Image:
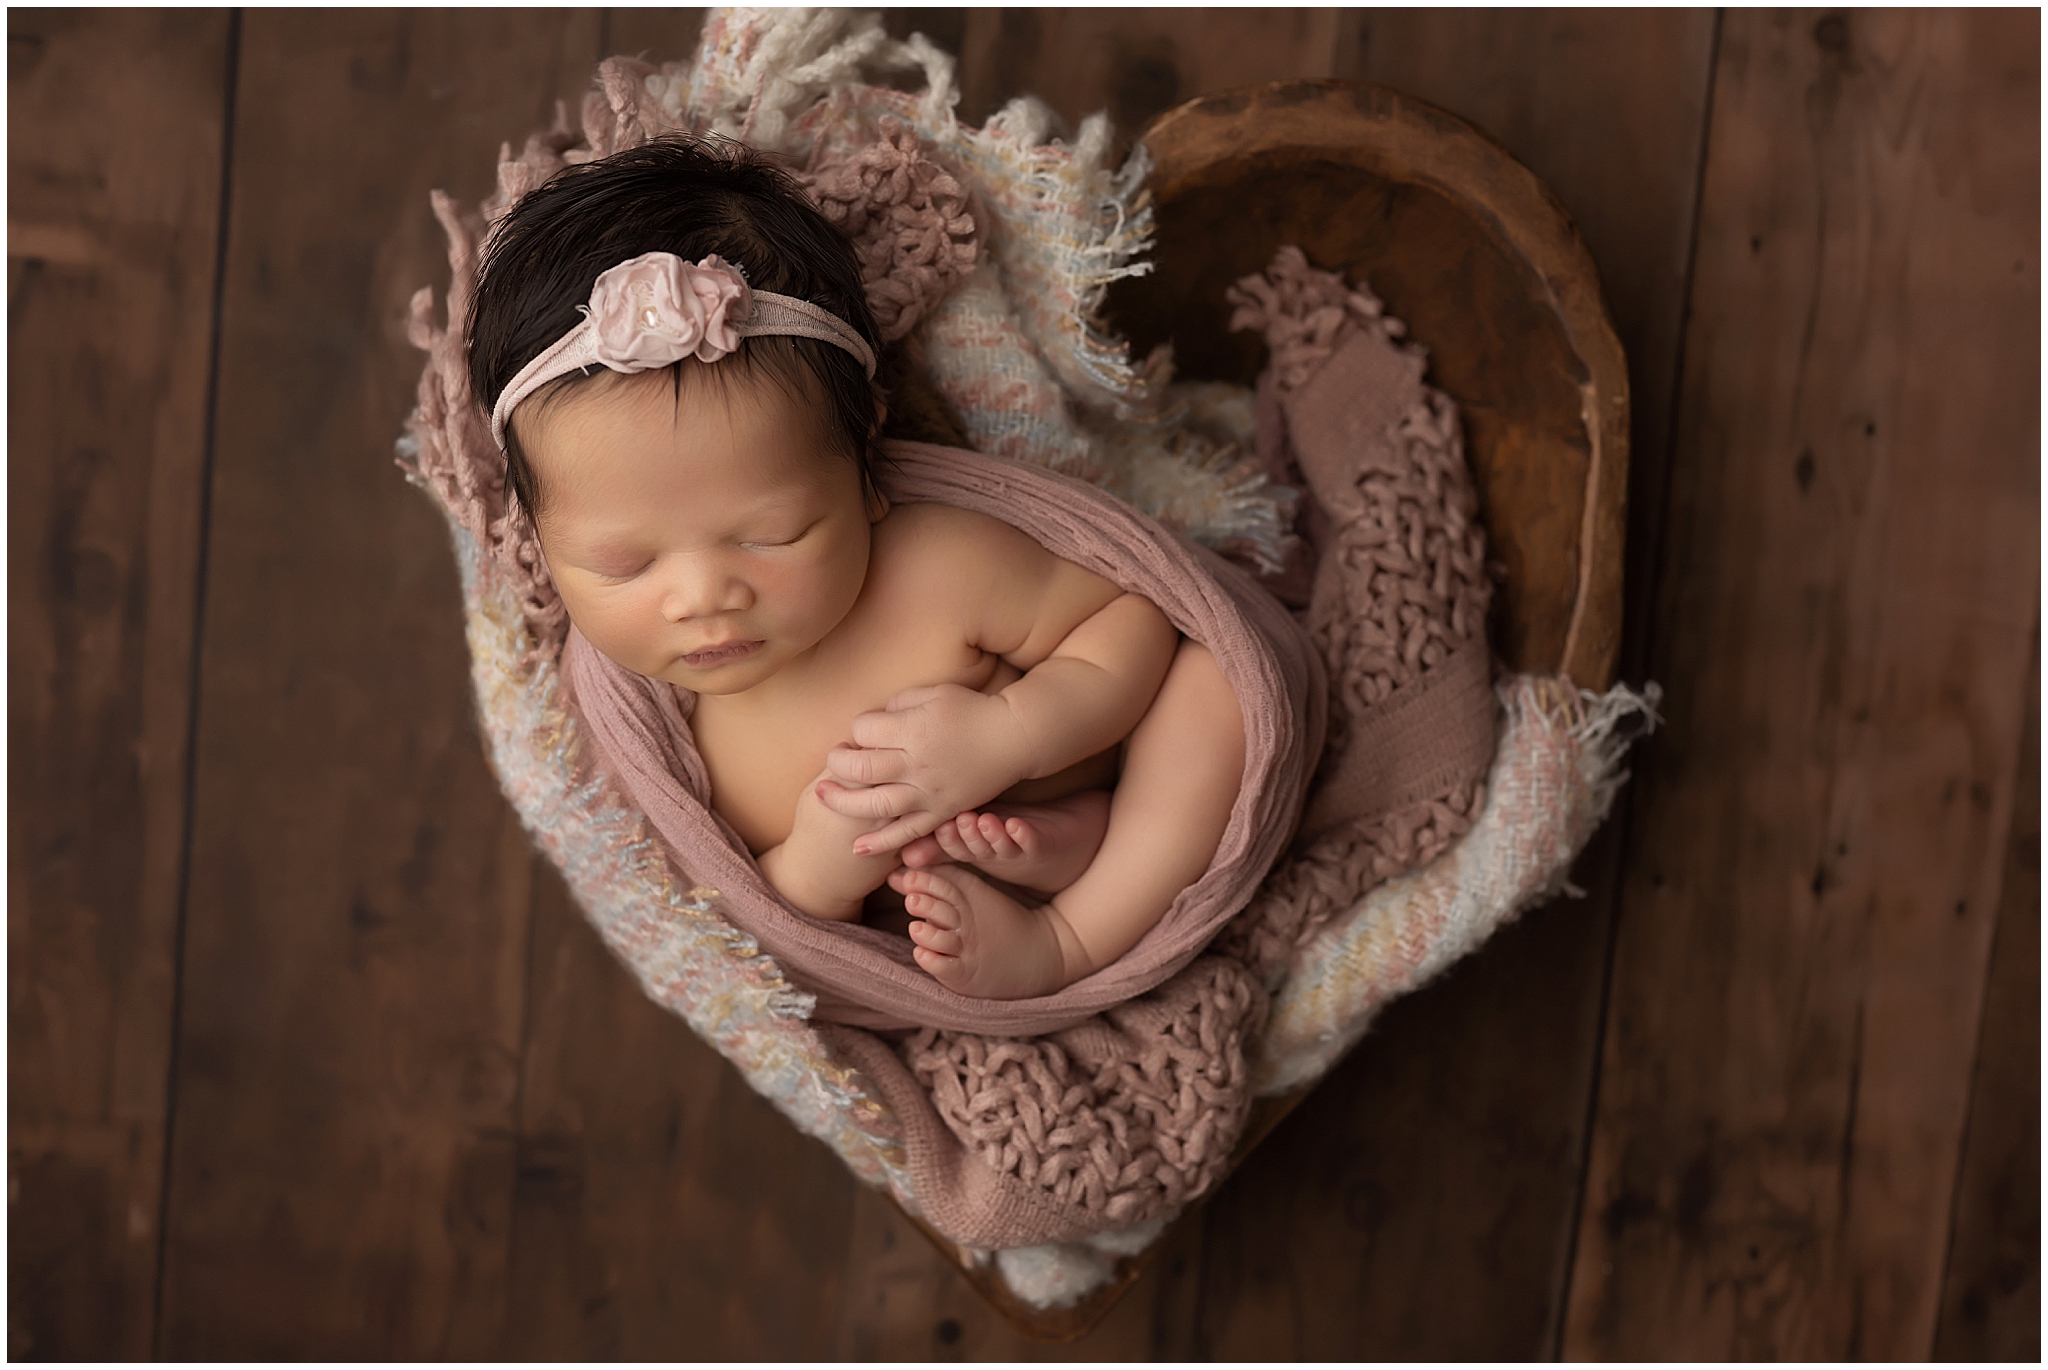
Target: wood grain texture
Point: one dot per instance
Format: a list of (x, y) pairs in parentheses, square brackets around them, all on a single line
[(1415, 1206), (905, 1300), (1613, 119), (355, 959), (1419, 1268), (658, 33), (420, 1113), (1849, 577), (1133, 63), (662, 1210), (1612, 116), (112, 247), (1991, 1290)]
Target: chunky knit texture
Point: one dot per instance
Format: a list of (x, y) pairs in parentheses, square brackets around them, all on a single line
[(910, 224), (1400, 591), (1125, 1117)]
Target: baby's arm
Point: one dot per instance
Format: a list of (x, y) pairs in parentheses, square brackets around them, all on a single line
[(816, 868), (1092, 656), (1091, 691)]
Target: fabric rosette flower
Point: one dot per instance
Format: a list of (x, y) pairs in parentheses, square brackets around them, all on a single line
[(658, 308)]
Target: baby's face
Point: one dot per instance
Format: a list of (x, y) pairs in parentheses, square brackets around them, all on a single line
[(708, 543)]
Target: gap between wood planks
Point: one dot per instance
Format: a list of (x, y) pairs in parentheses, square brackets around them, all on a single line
[(220, 266)]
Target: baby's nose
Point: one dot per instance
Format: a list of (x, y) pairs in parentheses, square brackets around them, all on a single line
[(703, 591)]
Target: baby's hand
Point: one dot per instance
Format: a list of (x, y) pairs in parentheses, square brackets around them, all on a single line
[(816, 868), (925, 756)]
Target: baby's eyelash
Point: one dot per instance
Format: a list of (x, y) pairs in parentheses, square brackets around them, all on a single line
[(787, 542)]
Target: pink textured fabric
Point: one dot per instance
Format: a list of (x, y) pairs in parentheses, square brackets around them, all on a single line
[(865, 977), (1124, 1116), (1398, 605), (910, 221)]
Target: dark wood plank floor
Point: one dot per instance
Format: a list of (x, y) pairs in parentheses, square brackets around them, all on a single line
[(311, 1056), (108, 445)]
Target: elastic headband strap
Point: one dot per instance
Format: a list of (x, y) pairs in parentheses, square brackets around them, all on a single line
[(657, 309)]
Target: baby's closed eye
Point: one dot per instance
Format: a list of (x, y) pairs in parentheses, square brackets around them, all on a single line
[(618, 569), (781, 538), (607, 560)]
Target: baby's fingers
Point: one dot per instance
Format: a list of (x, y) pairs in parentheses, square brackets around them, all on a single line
[(882, 728), (901, 833), (878, 801), (914, 696), (865, 765)]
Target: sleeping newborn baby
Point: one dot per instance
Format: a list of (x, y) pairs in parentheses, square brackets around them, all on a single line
[(679, 358)]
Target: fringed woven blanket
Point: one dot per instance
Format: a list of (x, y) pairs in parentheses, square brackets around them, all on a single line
[(987, 251)]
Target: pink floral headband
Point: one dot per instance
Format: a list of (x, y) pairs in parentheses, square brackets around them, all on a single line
[(658, 309)]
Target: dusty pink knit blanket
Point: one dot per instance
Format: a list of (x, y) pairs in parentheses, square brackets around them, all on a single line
[(865, 977)]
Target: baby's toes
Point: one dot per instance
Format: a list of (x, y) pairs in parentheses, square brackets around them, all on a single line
[(996, 833), (934, 911), (928, 895), (947, 970), (973, 837), (925, 851), (934, 938), (1025, 834), (948, 837)]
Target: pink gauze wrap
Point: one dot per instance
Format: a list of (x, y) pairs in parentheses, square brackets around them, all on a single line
[(864, 977)]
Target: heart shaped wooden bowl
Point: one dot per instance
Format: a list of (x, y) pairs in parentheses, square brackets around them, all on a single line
[(1477, 256)]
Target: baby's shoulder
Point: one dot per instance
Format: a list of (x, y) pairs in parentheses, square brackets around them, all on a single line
[(935, 538), (928, 519)]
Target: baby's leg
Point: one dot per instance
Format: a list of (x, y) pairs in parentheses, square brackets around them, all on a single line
[(1041, 847), (1183, 767)]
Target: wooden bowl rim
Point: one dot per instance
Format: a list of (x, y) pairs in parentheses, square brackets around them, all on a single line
[(1396, 135)]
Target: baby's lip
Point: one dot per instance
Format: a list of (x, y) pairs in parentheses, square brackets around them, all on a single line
[(723, 653)]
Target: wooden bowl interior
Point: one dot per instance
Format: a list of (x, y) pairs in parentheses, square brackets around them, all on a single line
[(1496, 344)]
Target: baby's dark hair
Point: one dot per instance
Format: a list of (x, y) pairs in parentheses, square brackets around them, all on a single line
[(694, 197)]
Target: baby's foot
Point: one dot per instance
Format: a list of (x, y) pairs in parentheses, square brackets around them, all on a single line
[(975, 940), (1042, 847)]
